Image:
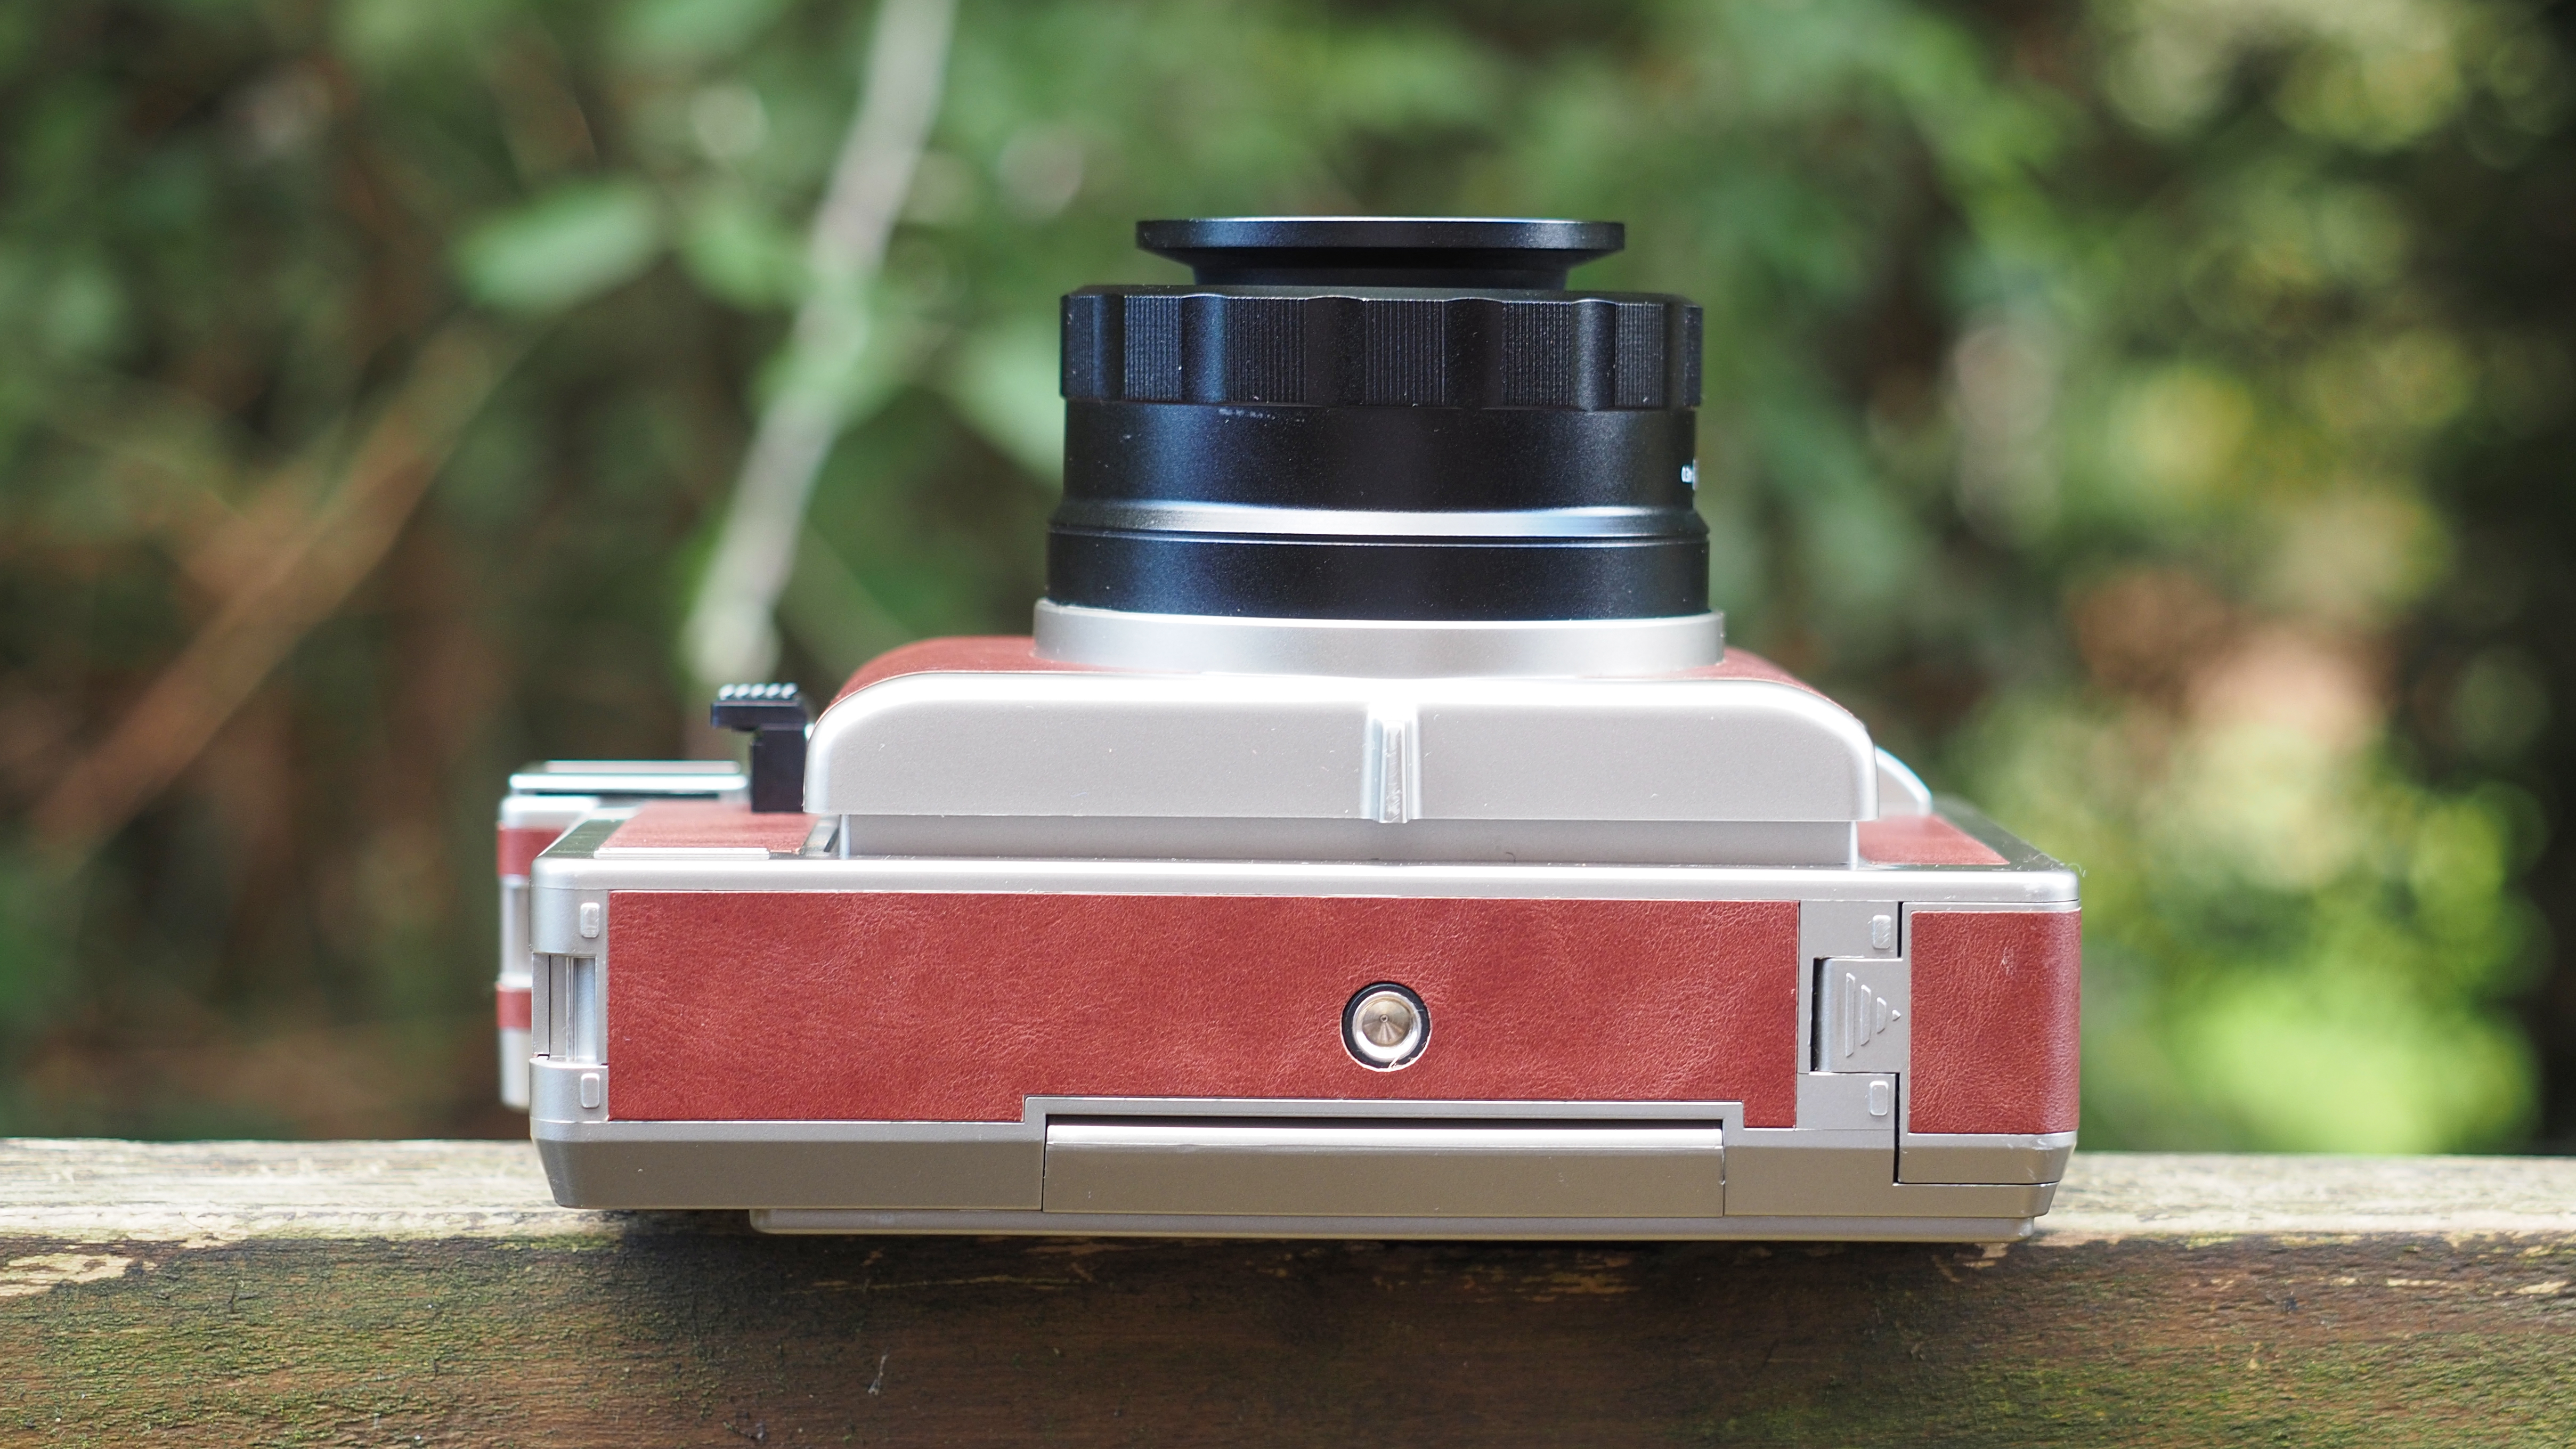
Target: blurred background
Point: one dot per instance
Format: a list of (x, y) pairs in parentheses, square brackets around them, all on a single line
[(2154, 416)]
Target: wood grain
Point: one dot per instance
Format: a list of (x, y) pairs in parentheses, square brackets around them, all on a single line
[(383, 1293)]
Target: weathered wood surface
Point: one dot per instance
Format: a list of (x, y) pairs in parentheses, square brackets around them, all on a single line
[(429, 1293)]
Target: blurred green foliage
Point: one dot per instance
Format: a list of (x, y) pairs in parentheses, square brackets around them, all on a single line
[(2148, 414)]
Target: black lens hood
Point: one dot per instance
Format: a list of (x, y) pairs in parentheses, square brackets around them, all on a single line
[(1380, 418)]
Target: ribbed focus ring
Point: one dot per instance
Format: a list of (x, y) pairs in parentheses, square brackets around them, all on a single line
[(1585, 353)]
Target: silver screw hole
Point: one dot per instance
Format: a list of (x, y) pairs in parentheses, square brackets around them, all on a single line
[(1385, 1026)]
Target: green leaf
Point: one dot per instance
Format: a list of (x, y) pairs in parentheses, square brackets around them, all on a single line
[(387, 35), (1005, 382), (685, 30), (31, 945), (741, 253), (563, 248)]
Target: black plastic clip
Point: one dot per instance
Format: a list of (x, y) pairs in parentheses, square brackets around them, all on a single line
[(775, 717)]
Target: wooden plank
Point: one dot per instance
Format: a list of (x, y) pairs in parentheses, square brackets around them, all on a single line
[(367, 1293)]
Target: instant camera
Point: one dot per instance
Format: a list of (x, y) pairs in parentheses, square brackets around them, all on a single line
[(1375, 838)]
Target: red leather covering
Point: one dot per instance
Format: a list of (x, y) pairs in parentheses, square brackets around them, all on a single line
[(1017, 653), (1995, 1020), (521, 844), (1922, 840), (513, 1007), (701, 824), (964, 654), (925, 1006), (1742, 664)]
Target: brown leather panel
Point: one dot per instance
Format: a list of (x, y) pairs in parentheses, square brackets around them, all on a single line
[(1744, 664), (1922, 840), (1017, 653), (520, 845), (927, 1006), (1996, 997), (693, 824), (963, 654)]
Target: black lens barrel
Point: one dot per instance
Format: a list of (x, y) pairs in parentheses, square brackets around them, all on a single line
[(1366, 418)]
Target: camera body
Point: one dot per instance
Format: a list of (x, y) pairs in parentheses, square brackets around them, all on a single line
[(1374, 838)]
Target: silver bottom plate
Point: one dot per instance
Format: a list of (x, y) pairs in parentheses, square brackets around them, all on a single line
[(1810, 1229), (1170, 1167)]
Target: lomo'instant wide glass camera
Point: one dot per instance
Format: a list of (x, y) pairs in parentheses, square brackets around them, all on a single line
[(1374, 839)]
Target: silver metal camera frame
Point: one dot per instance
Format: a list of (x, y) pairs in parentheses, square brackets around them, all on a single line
[(1849, 1168)]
